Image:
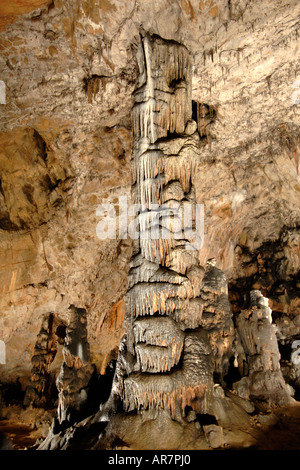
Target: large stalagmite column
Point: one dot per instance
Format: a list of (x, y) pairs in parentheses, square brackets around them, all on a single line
[(165, 360)]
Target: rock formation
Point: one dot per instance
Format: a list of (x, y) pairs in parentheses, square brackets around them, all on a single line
[(178, 331), (158, 302), (259, 361), (44, 353), (76, 370)]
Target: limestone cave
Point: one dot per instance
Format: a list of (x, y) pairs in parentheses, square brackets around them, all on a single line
[(149, 225)]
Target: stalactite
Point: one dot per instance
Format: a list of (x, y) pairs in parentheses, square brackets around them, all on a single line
[(179, 168), (156, 251), (141, 273), (151, 191), (163, 333), (149, 298), (143, 120), (149, 165), (180, 259)]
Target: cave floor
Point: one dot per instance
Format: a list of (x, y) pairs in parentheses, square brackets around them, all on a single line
[(284, 433), (23, 427), (277, 429), (21, 436)]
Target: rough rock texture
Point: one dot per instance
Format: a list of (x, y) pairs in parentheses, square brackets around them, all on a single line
[(72, 71), (162, 291)]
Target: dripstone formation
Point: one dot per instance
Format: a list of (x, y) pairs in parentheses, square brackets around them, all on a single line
[(259, 354), (171, 368), (179, 331), (38, 392), (76, 370)]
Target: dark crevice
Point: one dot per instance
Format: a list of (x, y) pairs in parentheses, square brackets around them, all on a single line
[(28, 191), (7, 225), (61, 332), (232, 375), (168, 41), (206, 419), (175, 82), (157, 283), (151, 346), (1, 189), (51, 6), (41, 145), (194, 111), (168, 137), (173, 135)]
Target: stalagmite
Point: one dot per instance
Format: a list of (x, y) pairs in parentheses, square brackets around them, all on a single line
[(45, 350), (76, 370), (172, 366), (260, 359), (217, 317)]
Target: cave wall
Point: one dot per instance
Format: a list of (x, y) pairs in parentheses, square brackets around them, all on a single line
[(70, 72)]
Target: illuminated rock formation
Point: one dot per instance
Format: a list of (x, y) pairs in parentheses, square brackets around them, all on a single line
[(259, 354), (178, 330), (76, 370)]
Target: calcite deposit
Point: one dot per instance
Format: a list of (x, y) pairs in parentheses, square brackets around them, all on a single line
[(159, 304), (184, 116)]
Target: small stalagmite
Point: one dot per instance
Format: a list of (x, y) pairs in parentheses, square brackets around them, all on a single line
[(76, 369), (259, 355)]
